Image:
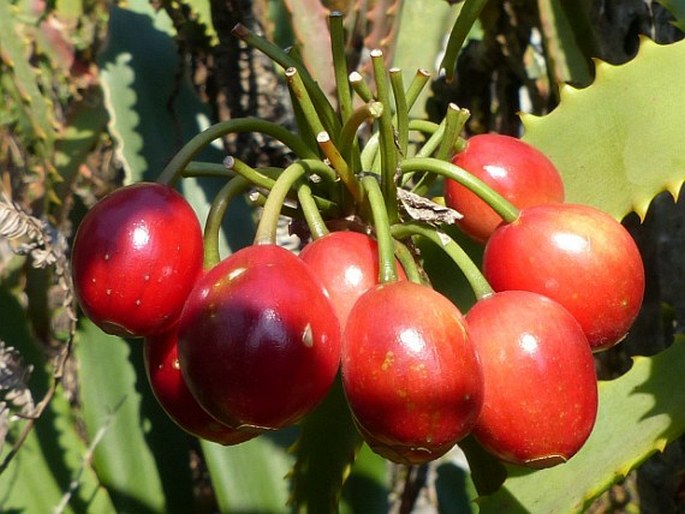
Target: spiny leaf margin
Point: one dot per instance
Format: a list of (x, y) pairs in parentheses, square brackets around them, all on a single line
[(617, 143)]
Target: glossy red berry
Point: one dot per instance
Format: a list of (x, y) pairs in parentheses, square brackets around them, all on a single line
[(410, 374), (540, 400), (577, 255), (172, 393), (259, 342), (515, 169), (136, 256), (347, 264)]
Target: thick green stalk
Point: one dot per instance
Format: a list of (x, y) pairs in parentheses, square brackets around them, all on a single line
[(249, 173), (503, 207), (408, 263), (454, 123), (455, 118), (386, 132), (468, 15), (337, 31), (172, 171), (300, 93), (265, 178), (206, 169), (316, 224), (401, 109), (387, 271), (417, 85), (323, 106), (266, 228), (340, 166), (473, 275), (348, 134), (236, 186), (360, 87)]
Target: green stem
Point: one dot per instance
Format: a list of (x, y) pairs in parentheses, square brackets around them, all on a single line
[(360, 86), (401, 109), (425, 126), (337, 31), (266, 228), (304, 128), (323, 106), (454, 122), (417, 85), (249, 173), (206, 169), (340, 166), (473, 275), (265, 178), (433, 142), (300, 93), (503, 207), (371, 148), (387, 137), (369, 152), (316, 224), (387, 271), (468, 15), (455, 118), (172, 171), (408, 263), (236, 186), (348, 134)]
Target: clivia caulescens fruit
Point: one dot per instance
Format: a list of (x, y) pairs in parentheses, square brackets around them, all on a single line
[(136, 255), (258, 340)]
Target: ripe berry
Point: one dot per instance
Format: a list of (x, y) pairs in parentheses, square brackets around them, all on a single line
[(347, 265), (577, 255), (171, 391), (516, 170), (540, 400), (136, 256), (410, 374), (259, 342)]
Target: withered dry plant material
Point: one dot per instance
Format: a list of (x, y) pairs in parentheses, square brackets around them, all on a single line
[(46, 247)]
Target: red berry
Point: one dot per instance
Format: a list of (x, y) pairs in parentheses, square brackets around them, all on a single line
[(259, 342), (347, 264), (135, 258), (540, 400), (172, 393), (516, 170), (410, 373), (577, 255)]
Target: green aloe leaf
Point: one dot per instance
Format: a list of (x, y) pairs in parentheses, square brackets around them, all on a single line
[(138, 69), (618, 142), (418, 48), (142, 457), (639, 413), (87, 120), (250, 477), (52, 468), (149, 118)]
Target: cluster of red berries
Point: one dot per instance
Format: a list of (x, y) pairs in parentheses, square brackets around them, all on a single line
[(255, 342)]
